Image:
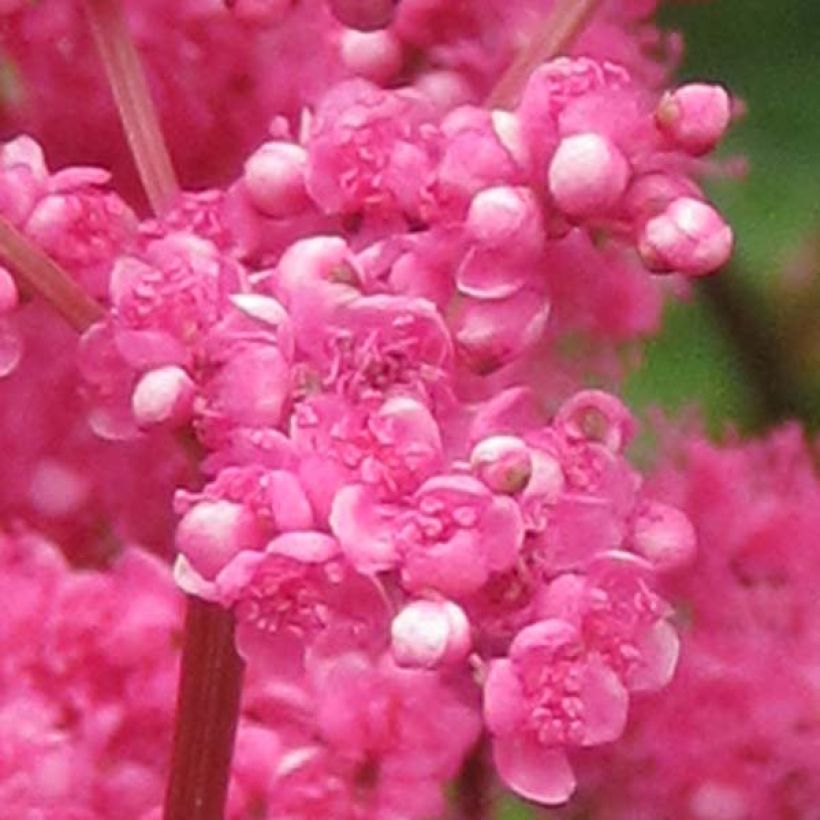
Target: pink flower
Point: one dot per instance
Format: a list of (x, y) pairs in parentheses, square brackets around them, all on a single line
[(548, 694), (370, 151), (448, 537)]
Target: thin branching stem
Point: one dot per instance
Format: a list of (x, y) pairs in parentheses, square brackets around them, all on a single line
[(554, 37), (137, 112), (42, 276)]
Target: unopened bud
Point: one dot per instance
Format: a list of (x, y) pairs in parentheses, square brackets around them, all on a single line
[(503, 463), (212, 532), (506, 217), (695, 116), (374, 55), (587, 175), (593, 415), (163, 396), (689, 237), (275, 178), (428, 634)]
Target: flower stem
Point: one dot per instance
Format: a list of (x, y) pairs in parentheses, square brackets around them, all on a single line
[(43, 276), (207, 713), (761, 349), (130, 89), (555, 35), (474, 784)]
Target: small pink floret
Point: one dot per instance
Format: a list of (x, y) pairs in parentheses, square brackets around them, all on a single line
[(503, 463)]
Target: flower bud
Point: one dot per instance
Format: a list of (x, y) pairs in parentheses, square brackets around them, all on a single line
[(275, 178), (163, 396), (503, 463), (427, 634), (587, 175), (695, 116), (689, 237), (664, 536), (594, 415), (212, 532), (506, 217), (364, 15), (374, 55)]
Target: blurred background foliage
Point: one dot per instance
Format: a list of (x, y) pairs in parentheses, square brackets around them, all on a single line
[(746, 346)]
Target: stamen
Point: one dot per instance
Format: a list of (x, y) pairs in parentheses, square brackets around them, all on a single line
[(42, 275), (558, 32), (137, 112)]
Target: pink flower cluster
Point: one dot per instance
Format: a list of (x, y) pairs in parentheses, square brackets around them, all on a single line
[(736, 734), (220, 69), (423, 528), (87, 680)]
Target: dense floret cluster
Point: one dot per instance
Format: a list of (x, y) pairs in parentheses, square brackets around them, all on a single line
[(350, 361)]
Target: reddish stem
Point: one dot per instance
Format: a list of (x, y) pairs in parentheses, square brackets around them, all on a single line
[(556, 34), (43, 276), (130, 89), (210, 682), (207, 712)]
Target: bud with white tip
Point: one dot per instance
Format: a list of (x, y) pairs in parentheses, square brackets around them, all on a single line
[(428, 634), (587, 175), (274, 178), (163, 396), (689, 237)]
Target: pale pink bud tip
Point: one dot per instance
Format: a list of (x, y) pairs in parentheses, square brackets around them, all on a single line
[(275, 178), (163, 396), (374, 55), (364, 15), (587, 175), (503, 215), (664, 536), (689, 237), (212, 532), (695, 116), (503, 463), (9, 296), (427, 634)]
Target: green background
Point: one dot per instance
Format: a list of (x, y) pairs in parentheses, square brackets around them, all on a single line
[(768, 54)]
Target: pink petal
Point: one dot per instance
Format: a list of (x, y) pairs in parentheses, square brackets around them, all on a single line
[(605, 704), (504, 705), (533, 771), (659, 648), (362, 530)]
